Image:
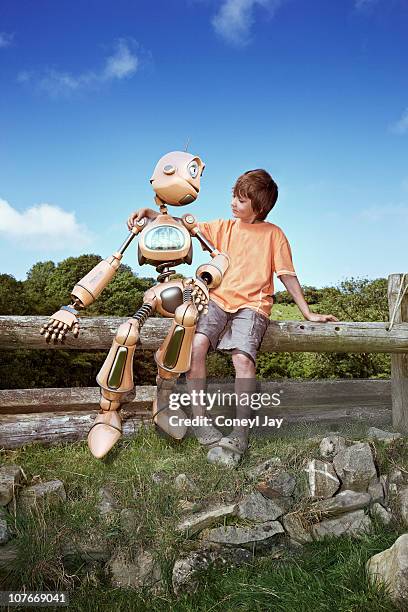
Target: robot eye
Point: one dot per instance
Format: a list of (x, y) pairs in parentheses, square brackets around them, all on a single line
[(193, 169)]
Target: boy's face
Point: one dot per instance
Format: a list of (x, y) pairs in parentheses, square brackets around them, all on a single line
[(242, 209)]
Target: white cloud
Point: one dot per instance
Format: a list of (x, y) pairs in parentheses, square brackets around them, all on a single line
[(42, 227), (391, 212), (235, 18), (123, 63), (401, 126), (5, 39)]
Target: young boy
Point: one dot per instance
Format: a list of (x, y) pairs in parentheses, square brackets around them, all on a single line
[(239, 309)]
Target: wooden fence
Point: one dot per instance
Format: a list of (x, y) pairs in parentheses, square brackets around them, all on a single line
[(50, 415)]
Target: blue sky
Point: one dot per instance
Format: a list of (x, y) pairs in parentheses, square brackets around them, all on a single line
[(316, 92)]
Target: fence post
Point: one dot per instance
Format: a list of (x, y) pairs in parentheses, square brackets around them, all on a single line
[(399, 363)]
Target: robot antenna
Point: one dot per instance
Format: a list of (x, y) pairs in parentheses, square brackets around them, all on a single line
[(187, 145)]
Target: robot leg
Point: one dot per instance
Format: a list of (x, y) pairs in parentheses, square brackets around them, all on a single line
[(116, 380), (174, 358)]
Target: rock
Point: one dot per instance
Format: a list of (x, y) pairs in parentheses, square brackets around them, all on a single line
[(51, 493), (108, 504), (201, 520), (355, 467), (281, 484), (376, 490), (390, 567), (186, 571), (129, 521), (242, 536), (383, 436), (10, 478), (323, 481), (141, 572), (379, 512), (256, 507), (89, 549), (263, 468), (295, 529), (184, 483), (159, 477), (396, 476), (331, 445), (4, 531), (402, 502), (345, 501), (222, 456), (385, 485), (352, 523), (396, 480), (188, 506)]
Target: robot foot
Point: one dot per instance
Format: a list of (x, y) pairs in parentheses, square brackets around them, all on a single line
[(175, 428), (104, 433)]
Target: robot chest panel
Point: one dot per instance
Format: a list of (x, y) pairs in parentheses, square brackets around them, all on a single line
[(164, 241)]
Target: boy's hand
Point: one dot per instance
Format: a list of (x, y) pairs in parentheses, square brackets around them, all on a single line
[(139, 214), (320, 318)]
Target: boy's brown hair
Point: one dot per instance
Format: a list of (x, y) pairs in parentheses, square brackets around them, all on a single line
[(260, 188)]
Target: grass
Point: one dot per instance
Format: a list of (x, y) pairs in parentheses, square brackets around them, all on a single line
[(140, 471), (286, 312)]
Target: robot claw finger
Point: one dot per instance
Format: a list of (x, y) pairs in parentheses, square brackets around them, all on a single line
[(164, 243)]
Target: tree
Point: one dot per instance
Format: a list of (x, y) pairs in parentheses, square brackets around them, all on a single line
[(35, 287), (68, 272), (13, 300), (356, 299)]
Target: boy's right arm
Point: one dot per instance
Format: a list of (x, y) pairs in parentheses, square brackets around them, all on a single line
[(135, 216)]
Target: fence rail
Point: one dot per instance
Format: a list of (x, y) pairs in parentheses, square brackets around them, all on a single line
[(49, 415), (96, 333)]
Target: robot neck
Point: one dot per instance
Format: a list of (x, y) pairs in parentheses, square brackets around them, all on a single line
[(161, 204)]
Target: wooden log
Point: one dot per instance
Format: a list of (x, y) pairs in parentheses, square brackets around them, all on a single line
[(292, 336), (55, 427), (293, 393), (311, 402), (77, 398), (399, 363)]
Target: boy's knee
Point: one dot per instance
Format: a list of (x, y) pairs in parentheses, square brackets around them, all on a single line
[(199, 351), (242, 362), (201, 344)]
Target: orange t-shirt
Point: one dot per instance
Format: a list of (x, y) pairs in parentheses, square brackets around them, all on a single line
[(256, 251)]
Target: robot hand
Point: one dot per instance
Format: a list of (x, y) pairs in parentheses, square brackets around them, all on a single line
[(60, 323), (200, 298)]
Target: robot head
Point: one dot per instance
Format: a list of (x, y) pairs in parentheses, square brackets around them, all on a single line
[(176, 178)]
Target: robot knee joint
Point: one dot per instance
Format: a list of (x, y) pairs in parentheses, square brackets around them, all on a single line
[(127, 334)]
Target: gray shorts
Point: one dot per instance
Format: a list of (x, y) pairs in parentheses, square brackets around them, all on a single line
[(242, 330)]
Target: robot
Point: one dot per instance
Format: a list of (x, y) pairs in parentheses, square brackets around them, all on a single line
[(165, 242)]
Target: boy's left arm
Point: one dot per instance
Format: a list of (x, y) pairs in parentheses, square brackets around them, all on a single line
[(293, 287)]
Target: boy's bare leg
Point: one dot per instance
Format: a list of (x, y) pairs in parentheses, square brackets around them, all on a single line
[(231, 448), (196, 381), (245, 385)]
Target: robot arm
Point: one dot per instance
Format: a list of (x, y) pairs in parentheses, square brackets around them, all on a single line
[(213, 272), (86, 291)]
